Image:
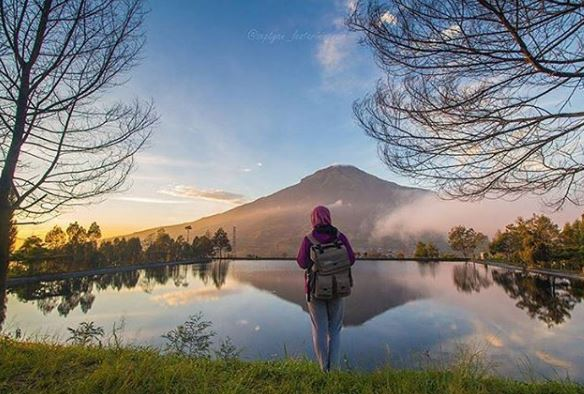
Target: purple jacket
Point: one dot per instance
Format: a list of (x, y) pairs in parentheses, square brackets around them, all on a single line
[(303, 258)]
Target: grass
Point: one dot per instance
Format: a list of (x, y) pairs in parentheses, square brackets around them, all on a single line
[(28, 367)]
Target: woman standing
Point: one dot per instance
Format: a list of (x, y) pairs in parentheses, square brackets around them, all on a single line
[(326, 311)]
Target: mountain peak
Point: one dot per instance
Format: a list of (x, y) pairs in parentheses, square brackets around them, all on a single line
[(336, 170)]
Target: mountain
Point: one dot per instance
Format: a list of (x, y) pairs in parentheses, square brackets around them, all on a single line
[(274, 225)]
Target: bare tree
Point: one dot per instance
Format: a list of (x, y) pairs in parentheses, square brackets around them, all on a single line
[(62, 141), (483, 98)]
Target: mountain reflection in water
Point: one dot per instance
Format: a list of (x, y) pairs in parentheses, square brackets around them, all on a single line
[(407, 307)]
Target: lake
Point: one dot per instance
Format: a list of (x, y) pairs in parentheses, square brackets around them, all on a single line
[(404, 313)]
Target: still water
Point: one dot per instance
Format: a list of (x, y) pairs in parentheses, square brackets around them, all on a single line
[(403, 313)]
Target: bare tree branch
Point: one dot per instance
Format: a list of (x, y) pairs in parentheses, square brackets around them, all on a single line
[(482, 97)]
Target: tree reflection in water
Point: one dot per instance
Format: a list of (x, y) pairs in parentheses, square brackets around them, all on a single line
[(545, 297), (468, 278), (427, 268), (66, 295)]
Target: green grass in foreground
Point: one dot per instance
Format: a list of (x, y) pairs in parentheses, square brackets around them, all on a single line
[(51, 368)]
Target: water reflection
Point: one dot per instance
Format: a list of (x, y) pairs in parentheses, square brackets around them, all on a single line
[(469, 278), (547, 298), (373, 294), (427, 268), (66, 295)]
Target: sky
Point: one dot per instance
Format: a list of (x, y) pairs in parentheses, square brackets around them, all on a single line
[(252, 97)]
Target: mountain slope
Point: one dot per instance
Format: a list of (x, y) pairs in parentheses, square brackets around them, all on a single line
[(274, 225)]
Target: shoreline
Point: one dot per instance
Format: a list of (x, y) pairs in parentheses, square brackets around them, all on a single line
[(23, 280)]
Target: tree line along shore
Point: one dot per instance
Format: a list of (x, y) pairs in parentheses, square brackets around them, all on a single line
[(535, 242)]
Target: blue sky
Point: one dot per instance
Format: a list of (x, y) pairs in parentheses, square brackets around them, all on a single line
[(252, 96)]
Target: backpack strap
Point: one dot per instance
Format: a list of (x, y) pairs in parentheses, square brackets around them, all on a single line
[(314, 243), (312, 239)]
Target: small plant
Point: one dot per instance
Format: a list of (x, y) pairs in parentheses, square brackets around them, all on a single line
[(227, 350), (193, 338), (115, 339), (86, 333)]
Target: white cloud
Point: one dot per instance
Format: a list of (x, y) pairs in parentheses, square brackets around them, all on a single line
[(338, 203), (333, 49), (160, 160), (212, 195), (260, 164), (388, 18)]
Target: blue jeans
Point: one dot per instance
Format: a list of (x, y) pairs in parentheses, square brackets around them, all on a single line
[(326, 317)]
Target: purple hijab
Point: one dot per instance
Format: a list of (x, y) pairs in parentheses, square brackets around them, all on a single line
[(320, 216)]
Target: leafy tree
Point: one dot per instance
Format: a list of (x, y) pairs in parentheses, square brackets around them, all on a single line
[(432, 251), (161, 249), (572, 240), (533, 242), (76, 234), (539, 237), (421, 250), (32, 248), (465, 240), (120, 251), (221, 241), (107, 252), (94, 232), (182, 249), (203, 246), (134, 250), (506, 243), (76, 242), (55, 238)]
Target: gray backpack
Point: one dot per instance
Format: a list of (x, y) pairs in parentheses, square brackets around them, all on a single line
[(330, 274)]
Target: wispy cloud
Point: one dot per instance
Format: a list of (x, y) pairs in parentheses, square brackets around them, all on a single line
[(351, 5), (149, 200), (177, 298), (161, 160), (553, 360), (186, 191), (333, 50)]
